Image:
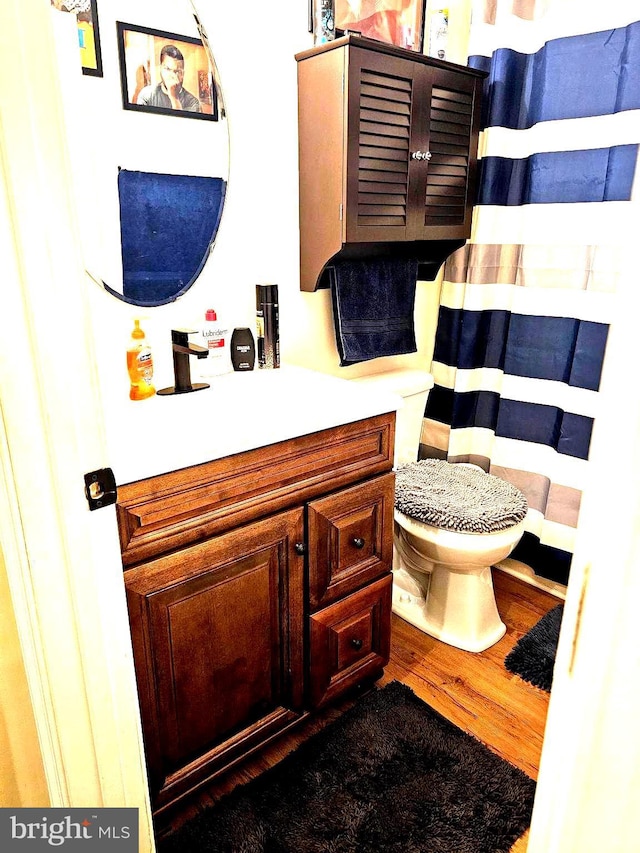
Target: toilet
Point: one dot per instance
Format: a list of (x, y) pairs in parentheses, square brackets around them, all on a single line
[(452, 522)]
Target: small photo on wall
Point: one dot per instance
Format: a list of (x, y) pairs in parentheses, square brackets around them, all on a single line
[(165, 73), (86, 13)]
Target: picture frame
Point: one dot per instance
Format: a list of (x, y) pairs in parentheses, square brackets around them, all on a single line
[(398, 22), (151, 60), (86, 13)]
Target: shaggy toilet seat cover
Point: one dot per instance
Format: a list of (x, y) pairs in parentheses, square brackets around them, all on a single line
[(457, 497)]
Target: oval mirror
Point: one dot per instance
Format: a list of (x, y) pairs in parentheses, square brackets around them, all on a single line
[(149, 138)]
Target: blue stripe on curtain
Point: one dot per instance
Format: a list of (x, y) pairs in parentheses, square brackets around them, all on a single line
[(469, 339), (440, 404), (566, 432), (591, 341), (592, 74), (547, 348), (562, 349), (549, 562), (552, 177)]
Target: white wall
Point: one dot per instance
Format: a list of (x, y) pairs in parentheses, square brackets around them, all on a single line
[(104, 137), (258, 238)]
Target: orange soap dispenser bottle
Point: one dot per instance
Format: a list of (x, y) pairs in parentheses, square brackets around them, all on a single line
[(140, 365)]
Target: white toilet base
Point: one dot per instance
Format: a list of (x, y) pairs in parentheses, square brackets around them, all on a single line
[(460, 609)]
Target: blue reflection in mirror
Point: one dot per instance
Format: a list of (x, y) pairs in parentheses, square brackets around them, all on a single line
[(167, 225)]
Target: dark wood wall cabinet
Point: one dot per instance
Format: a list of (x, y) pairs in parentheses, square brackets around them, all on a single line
[(258, 589), (388, 143)]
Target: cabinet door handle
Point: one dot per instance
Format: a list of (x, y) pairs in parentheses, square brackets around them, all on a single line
[(421, 155), (357, 542), (300, 548), (357, 644)]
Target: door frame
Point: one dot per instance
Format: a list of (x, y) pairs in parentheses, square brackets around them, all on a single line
[(62, 560)]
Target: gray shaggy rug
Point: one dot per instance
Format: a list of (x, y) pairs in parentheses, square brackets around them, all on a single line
[(391, 775), (534, 655)]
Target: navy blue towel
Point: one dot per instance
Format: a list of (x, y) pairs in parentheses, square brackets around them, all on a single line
[(167, 223), (373, 303)]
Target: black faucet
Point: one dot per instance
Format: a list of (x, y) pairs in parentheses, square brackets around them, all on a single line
[(182, 349)]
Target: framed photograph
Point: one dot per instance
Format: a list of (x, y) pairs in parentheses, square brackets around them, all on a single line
[(86, 13), (399, 22), (165, 73)]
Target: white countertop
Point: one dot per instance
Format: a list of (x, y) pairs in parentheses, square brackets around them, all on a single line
[(240, 411)]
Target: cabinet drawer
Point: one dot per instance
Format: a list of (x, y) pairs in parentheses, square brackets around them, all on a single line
[(349, 641), (350, 539), (164, 513)]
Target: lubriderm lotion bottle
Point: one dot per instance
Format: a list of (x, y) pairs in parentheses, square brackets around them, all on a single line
[(215, 337)]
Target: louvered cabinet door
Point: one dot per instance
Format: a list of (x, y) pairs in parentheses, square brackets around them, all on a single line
[(447, 178), (411, 149), (382, 96)]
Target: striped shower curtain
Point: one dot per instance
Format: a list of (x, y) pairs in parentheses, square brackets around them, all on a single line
[(526, 304)]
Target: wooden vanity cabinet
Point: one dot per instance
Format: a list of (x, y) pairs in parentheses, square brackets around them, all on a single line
[(258, 588), (388, 143)]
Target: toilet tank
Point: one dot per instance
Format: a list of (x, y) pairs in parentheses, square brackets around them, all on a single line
[(413, 387)]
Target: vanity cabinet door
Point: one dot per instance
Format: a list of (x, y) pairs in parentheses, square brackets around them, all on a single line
[(218, 643)]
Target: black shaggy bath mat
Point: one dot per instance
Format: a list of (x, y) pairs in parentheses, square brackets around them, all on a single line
[(534, 655), (390, 775)]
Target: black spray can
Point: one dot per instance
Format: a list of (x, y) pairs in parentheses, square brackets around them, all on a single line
[(267, 324)]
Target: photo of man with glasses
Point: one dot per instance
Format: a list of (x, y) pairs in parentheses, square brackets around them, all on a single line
[(169, 93)]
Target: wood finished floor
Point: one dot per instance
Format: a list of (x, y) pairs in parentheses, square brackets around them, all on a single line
[(474, 691)]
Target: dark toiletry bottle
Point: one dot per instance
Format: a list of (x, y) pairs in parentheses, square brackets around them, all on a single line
[(243, 349), (267, 322)]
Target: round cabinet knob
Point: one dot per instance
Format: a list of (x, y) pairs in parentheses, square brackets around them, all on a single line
[(300, 548), (357, 644), (357, 542)]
